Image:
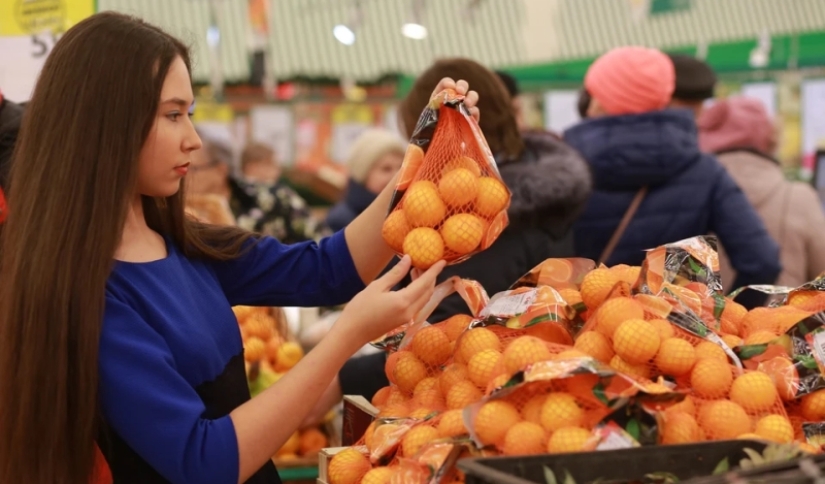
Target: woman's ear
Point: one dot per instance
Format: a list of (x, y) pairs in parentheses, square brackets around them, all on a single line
[(595, 109)]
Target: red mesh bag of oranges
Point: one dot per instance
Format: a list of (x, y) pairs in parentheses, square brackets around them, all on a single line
[(569, 404), (449, 200)]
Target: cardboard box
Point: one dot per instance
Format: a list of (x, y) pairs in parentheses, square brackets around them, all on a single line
[(358, 415)]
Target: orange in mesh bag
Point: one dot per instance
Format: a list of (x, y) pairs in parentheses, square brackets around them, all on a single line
[(558, 406), (449, 201)]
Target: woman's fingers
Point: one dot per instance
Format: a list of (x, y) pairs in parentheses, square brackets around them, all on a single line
[(462, 86), (425, 282), (470, 101), (394, 275), (446, 83)]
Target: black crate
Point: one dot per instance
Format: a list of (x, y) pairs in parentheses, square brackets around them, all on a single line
[(610, 466), (790, 472)]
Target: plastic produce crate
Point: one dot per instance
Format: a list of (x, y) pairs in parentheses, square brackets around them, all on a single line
[(622, 466), (805, 470)]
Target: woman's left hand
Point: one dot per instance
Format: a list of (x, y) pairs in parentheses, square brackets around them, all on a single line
[(461, 87)]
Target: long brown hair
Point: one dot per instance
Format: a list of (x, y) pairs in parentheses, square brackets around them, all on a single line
[(498, 118), (73, 175)]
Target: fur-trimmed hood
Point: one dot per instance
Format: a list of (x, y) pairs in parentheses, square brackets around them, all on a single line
[(550, 183)]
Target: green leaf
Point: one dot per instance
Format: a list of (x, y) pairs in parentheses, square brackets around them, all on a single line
[(633, 429), (748, 352), (808, 362), (568, 479), (722, 467), (549, 477), (662, 477)]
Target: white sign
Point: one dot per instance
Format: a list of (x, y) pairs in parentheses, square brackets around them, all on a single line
[(561, 110), (272, 125), (813, 115), (762, 91)]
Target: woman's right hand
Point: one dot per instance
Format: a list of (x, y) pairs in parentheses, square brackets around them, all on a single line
[(378, 309)]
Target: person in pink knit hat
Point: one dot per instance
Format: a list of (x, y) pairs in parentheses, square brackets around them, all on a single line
[(630, 80), (647, 166), (743, 136)]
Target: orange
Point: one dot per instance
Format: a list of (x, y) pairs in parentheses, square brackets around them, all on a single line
[(380, 397), (531, 411), (525, 438), (396, 396), (462, 233), (732, 316), (408, 372), (348, 467), (395, 229), (754, 391), (260, 325), (732, 340), (461, 394), (664, 327), (637, 371), (475, 340), (776, 428), (413, 159), (724, 420), (614, 312), (289, 354), (784, 376), (676, 357), (760, 337), (458, 187), (493, 420), (422, 413), (427, 394), (484, 366), (454, 326), (451, 424), (492, 198), (451, 375), (424, 246), (636, 341), (431, 345), (685, 406), (464, 162), (680, 428), (596, 287), (292, 445), (596, 345), (395, 410), (560, 410), (254, 349), (707, 349), (422, 205), (711, 378), (312, 441), (813, 406), (570, 439), (626, 273), (415, 438), (758, 319), (379, 475), (525, 351)]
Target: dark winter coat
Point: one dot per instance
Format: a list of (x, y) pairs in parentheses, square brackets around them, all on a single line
[(690, 194), (356, 200)]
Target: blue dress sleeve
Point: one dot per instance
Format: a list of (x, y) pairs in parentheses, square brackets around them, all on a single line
[(152, 407), (752, 251), (304, 274)]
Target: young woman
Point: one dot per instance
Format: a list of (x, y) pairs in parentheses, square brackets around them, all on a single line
[(115, 310)]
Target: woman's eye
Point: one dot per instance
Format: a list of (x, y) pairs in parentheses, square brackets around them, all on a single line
[(173, 116)]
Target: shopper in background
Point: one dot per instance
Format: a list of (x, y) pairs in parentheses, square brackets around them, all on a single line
[(583, 103), (514, 91), (373, 161), (259, 164), (274, 210), (743, 137), (695, 83), (641, 152)]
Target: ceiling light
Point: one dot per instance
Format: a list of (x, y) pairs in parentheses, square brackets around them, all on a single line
[(344, 34), (414, 31)]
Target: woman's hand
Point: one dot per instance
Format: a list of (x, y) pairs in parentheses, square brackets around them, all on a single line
[(378, 309), (461, 87)]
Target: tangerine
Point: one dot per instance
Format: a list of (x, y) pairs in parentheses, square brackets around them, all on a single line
[(776, 428), (462, 233), (723, 419), (484, 366), (754, 391), (636, 341), (431, 345), (458, 187), (475, 340), (596, 287), (422, 205), (348, 467), (525, 438), (560, 410), (424, 246), (525, 351), (711, 378), (614, 312), (570, 439), (395, 229), (676, 357), (493, 420), (596, 345), (492, 198)]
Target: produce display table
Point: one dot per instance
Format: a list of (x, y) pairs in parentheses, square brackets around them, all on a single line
[(303, 469)]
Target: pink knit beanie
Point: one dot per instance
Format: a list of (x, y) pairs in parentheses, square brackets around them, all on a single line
[(737, 122), (631, 80)]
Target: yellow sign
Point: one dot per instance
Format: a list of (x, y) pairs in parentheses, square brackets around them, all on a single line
[(352, 113), (206, 111), (27, 17)]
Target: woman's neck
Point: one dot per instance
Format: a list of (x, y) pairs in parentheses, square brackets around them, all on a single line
[(139, 243)]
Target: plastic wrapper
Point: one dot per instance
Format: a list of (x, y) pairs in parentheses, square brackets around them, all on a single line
[(569, 404), (449, 201), (795, 360)]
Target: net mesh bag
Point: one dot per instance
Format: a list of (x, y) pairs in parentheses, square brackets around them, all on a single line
[(449, 200)]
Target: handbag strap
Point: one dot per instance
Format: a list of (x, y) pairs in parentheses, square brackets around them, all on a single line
[(628, 216)]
